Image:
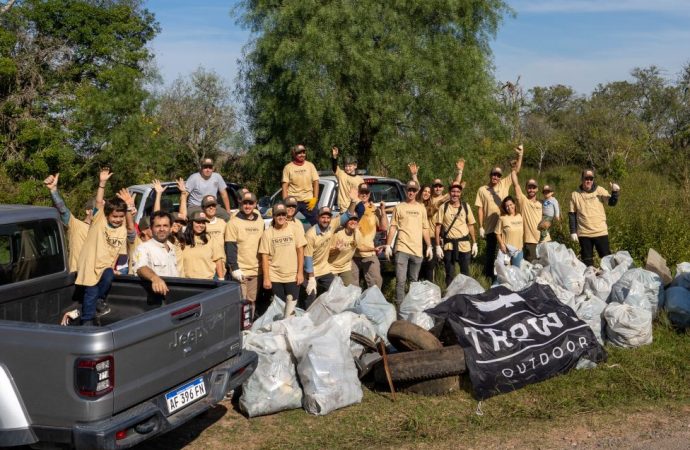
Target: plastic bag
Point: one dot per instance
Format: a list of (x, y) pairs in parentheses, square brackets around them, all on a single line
[(627, 325), (564, 296), (421, 296), (636, 286), (683, 267), (512, 277), (589, 308), (326, 369), (621, 260), (376, 308), (273, 313), (462, 284), (563, 266), (678, 306), (335, 300), (601, 283), (273, 386), (357, 323)]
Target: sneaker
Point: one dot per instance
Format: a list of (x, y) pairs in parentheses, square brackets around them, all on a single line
[(102, 307)]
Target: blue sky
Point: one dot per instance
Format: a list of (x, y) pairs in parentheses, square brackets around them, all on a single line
[(580, 43)]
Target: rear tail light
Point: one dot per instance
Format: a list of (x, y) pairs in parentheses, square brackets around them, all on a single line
[(246, 315), (94, 377)]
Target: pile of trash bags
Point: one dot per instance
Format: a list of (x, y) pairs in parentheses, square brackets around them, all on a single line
[(617, 301), (307, 359)]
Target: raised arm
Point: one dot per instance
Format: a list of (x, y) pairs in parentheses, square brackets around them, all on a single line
[(414, 170), (131, 211), (334, 158), (184, 194), (383, 224), (158, 187), (459, 167), (519, 150), (516, 182), (52, 183), (103, 177)]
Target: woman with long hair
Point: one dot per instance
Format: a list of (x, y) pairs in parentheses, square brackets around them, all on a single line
[(200, 258), (510, 230), (425, 198)]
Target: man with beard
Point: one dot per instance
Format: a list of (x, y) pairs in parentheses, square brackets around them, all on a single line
[(156, 257)]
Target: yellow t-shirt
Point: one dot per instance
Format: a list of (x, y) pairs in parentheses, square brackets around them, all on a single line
[(342, 260), (531, 211), (366, 231), (102, 245), (281, 247), (446, 215), (215, 230), (76, 235), (300, 179), (411, 221), (437, 201), (319, 245), (247, 235), (200, 261), (297, 226), (511, 229), (345, 184), (490, 199), (591, 217)]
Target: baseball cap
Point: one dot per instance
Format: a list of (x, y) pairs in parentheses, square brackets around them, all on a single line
[(278, 208), (532, 182), (412, 184), (290, 201), (199, 216), (208, 200), (497, 170), (455, 185), (350, 160), (547, 188), (248, 197), (299, 148), (325, 210), (353, 216), (363, 187), (207, 162), (437, 182)]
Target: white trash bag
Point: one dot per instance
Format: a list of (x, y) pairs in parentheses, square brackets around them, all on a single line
[(589, 308), (421, 296), (683, 267), (512, 277), (335, 300), (627, 325), (273, 386), (563, 266), (377, 309), (621, 260), (639, 287), (564, 296), (601, 282), (462, 284), (273, 313)]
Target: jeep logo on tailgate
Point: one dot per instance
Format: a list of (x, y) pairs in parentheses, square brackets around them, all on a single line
[(191, 337)]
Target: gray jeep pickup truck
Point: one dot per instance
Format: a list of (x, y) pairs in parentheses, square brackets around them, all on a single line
[(148, 368)]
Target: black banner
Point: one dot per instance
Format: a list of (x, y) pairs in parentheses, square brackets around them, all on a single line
[(512, 339)]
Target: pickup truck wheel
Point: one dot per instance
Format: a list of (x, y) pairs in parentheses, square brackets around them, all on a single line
[(437, 386), (423, 365), (406, 336)]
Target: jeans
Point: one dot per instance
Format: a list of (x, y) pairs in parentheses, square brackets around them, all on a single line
[(406, 266), (93, 293), (491, 249), (463, 258), (587, 245), (309, 215), (516, 259)]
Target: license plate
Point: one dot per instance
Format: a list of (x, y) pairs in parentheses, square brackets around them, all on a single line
[(185, 395)]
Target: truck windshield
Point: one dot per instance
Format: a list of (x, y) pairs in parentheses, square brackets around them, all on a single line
[(29, 250)]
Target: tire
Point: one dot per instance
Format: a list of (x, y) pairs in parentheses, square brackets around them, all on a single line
[(423, 365), (406, 336), (437, 386)]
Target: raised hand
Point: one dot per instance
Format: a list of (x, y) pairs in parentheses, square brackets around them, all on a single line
[(158, 187), (52, 181), (181, 185), (126, 197), (460, 164), (104, 175), (414, 168), (519, 150), (335, 151)]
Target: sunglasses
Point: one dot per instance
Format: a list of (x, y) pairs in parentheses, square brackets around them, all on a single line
[(588, 178), (411, 190), (207, 167), (248, 202), (291, 206), (438, 185), (280, 214), (532, 186), (496, 174)]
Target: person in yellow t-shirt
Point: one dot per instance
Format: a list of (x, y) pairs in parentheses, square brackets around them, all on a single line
[(291, 205), (342, 249), (410, 227), (488, 203), (282, 256), (215, 228), (587, 217), (242, 236), (510, 231), (347, 179), (301, 180), (200, 257), (531, 210), (437, 195), (106, 240)]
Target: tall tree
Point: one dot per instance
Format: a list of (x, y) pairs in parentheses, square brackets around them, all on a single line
[(381, 79)]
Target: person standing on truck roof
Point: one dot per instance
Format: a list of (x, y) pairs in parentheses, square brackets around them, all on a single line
[(588, 218), (437, 195), (204, 183), (347, 179), (531, 211), (301, 180), (282, 256), (242, 236), (454, 226), (157, 257), (488, 203), (105, 241), (410, 224), (200, 257), (76, 229), (365, 260)]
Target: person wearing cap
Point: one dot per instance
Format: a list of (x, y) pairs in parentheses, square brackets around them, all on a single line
[(347, 179), (372, 219), (531, 210), (157, 257), (488, 203), (200, 257), (410, 227), (588, 219), (215, 228), (342, 250), (242, 236), (301, 180), (437, 195), (143, 234), (454, 226), (282, 256), (551, 211), (291, 205), (206, 182)]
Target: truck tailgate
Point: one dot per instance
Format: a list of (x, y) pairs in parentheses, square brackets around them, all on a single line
[(160, 349)]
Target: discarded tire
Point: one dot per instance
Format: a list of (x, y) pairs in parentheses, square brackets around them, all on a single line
[(406, 336), (423, 365), (437, 386)]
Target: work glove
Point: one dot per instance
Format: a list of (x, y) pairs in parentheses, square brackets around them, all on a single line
[(439, 252), (388, 252), (506, 260), (475, 250), (481, 232), (237, 275), (574, 237), (615, 187), (429, 253), (312, 203), (311, 286)]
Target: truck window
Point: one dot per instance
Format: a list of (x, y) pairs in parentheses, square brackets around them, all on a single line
[(170, 200), (29, 250), (385, 191)]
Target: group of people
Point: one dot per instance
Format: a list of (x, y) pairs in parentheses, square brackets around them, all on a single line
[(203, 240)]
